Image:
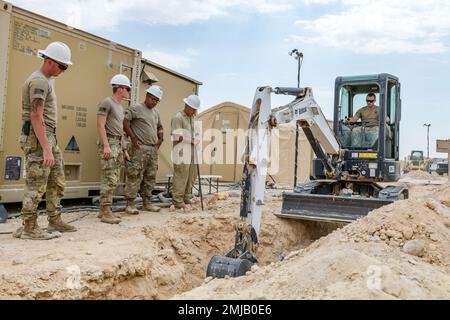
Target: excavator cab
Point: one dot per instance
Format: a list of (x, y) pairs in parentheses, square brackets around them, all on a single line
[(363, 140), (369, 154), (351, 93)]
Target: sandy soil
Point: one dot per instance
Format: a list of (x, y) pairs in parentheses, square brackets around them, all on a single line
[(400, 251), (150, 256), (423, 176), (164, 255)]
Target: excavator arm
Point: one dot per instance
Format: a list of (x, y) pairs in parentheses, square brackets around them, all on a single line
[(307, 112), (263, 119)]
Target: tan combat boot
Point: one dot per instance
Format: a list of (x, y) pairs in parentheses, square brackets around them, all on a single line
[(55, 223), (31, 230), (178, 208), (100, 214), (107, 215), (131, 208), (190, 201), (147, 206)]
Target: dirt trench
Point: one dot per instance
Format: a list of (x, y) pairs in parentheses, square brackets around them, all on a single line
[(150, 256), (399, 251)]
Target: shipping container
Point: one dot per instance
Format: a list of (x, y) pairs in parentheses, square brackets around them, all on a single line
[(79, 90)]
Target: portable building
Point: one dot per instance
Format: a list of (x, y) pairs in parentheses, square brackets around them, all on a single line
[(229, 117)]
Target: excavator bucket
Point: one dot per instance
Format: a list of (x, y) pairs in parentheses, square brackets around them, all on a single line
[(220, 267), (327, 208)]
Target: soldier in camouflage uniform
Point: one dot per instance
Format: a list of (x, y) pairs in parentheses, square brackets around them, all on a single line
[(43, 158), (111, 145), (185, 141), (367, 135), (143, 125)]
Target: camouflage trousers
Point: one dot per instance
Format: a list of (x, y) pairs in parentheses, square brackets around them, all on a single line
[(40, 180), (141, 172), (110, 170), (364, 137)]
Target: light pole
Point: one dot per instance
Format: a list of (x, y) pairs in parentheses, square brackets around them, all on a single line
[(428, 125), (299, 57)]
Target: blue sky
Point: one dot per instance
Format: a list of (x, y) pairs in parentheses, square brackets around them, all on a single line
[(234, 46)]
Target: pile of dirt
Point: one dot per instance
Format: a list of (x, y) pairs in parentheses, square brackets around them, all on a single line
[(421, 175), (150, 256), (400, 251)]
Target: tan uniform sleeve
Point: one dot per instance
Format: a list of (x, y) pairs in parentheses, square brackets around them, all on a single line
[(39, 89), (176, 125), (196, 128), (159, 125), (359, 113), (104, 108), (130, 113)]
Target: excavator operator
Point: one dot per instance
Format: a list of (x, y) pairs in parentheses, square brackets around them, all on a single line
[(366, 135)]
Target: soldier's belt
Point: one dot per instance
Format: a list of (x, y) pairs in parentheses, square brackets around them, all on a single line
[(147, 146), (26, 128), (109, 136)]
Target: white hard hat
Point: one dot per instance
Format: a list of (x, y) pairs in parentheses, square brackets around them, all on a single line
[(57, 51), (121, 80), (193, 101), (155, 91)]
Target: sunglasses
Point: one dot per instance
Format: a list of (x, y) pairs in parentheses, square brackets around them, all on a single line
[(61, 66), (370, 101)]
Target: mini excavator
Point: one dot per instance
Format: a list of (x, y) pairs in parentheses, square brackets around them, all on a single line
[(351, 161)]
